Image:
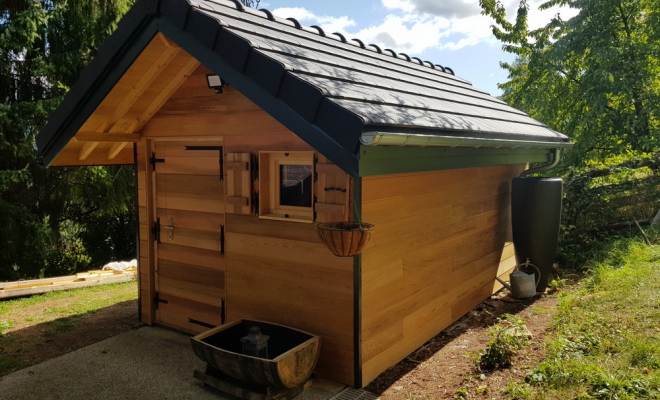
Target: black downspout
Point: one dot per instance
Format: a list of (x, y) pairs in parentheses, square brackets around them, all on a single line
[(137, 230), (357, 291), (556, 157)]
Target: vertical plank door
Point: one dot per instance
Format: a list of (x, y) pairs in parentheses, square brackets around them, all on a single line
[(190, 266)]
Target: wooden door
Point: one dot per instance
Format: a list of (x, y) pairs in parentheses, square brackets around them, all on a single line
[(190, 266)]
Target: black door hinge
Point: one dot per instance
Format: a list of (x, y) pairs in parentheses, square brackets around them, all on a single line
[(155, 160), (223, 312), (158, 300), (222, 239), (254, 175), (254, 167), (155, 230)]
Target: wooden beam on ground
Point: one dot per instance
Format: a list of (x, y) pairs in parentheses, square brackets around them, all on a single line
[(116, 149), (182, 75), (86, 150), (646, 238), (64, 283)]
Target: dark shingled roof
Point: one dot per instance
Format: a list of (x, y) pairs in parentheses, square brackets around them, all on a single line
[(326, 88)]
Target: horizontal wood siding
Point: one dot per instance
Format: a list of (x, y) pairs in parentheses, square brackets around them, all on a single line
[(440, 239), (277, 271), (280, 272), (196, 110)]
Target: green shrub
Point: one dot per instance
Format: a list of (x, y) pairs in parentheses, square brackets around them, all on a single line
[(598, 198), (508, 336)]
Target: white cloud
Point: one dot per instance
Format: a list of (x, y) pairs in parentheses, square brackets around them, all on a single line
[(405, 34), (404, 5), (538, 18), (304, 16), (417, 25), (447, 9)]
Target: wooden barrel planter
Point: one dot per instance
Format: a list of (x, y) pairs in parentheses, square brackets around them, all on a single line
[(345, 239), (292, 353)]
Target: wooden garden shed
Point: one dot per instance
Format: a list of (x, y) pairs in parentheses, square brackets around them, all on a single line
[(303, 126)]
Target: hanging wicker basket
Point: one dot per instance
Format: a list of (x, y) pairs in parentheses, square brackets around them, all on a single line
[(345, 239)]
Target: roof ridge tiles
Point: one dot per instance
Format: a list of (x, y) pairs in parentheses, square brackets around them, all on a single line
[(286, 22), (292, 22), (444, 79), (451, 80)]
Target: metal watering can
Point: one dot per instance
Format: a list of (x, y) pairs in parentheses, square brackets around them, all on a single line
[(523, 285)]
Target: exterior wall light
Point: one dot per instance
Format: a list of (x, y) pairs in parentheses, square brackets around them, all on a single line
[(215, 82)]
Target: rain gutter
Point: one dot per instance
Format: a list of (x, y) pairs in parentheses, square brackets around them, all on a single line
[(544, 167), (421, 140)]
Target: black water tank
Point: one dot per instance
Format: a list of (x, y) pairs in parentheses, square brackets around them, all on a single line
[(535, 215)]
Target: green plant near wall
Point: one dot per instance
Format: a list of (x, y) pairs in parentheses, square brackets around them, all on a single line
[(508, 336)]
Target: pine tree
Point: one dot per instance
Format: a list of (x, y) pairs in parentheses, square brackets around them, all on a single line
[(46, 215)]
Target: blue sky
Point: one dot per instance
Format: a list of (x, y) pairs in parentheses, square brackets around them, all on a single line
[(451, 33)]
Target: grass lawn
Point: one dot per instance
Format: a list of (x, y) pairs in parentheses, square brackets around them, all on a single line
[(34, 329), (606, 343)]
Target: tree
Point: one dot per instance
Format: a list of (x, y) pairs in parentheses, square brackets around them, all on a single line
[(595, 77), (251, 3), (46, 215)]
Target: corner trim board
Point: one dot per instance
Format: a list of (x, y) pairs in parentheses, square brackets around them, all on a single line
[(357, 292), (136, 204)]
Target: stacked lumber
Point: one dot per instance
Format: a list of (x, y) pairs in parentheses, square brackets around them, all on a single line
[(83, 279)]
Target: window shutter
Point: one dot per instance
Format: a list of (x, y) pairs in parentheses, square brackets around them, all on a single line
[(239, 183), (332, 192)]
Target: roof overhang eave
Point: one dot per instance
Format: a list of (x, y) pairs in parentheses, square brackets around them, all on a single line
[(443, 140)]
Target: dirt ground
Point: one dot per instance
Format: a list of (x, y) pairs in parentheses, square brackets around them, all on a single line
[(445, 364), (436, 370)]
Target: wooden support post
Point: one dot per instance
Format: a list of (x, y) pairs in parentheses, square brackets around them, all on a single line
[(150, 185)]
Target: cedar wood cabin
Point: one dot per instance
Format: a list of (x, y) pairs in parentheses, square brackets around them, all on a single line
[(308, 126)]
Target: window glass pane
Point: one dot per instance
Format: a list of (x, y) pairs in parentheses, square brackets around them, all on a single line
[(296, 185)]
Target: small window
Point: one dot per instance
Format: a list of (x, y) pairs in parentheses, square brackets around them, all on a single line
[(296, 185), (286, 182)]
